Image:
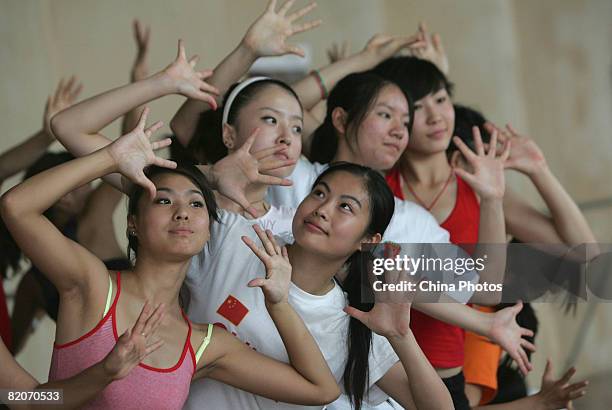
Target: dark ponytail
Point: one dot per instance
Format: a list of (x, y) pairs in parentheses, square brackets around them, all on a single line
[(382, 206)]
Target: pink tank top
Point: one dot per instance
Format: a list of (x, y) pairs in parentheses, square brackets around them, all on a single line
[(145, 387)]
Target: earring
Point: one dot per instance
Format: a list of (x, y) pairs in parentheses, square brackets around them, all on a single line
[(132, 233)]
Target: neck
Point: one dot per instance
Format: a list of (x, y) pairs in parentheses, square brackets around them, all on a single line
[(255, 194), (310, 272), (158, 281), (424, 169), (346, 153)]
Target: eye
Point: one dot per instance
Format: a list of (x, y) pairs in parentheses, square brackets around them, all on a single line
[(297, 129), (317, 193), (441, 99), (418, 106), (162, 201), (269, 119), (197, 204), (346, 207), (384, 115)]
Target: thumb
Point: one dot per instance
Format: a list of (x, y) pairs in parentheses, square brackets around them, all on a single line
[(547, 375), (295, 50), (257, 283), (356, 313)]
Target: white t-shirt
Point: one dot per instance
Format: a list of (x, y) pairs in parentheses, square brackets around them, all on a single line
[(217, 281), (278, 219)]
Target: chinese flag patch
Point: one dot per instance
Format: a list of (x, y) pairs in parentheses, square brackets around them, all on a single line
[(233, 310)]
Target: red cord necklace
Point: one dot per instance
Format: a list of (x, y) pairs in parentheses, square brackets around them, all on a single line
[(438, 195)]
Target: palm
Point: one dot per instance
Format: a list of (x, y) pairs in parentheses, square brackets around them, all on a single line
[(488, 181), (385, 319), (268, 35), (525, 156), (506, 332)]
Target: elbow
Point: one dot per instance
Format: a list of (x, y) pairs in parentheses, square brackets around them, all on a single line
[(58, 128), (9, 206), (328, 394)]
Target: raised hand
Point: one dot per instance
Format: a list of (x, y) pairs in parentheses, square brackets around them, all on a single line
[(338, 51), (268, 35), (383, 46), (508, 334), (431, 49), (487, 178), (275, 286), (525, 155), (237, 171), (65, 95), (558, 394), (136, 343), (140, 69), (188, 82), (134, 151)]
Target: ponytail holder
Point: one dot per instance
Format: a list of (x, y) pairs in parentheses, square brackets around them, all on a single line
[(232, 96)]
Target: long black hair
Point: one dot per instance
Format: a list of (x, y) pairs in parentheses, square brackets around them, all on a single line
[(10, 256), (207, 144), (382, 206), (355, 94), (187, 170)]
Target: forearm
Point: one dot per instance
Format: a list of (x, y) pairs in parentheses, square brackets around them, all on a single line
[(38, 193), (81, 388), (23, 155), (529, 402), (491, 248), (308, 88), (427, 389), (302, 350), (568, 220), (230, 70), (77, 127), (459, 315)]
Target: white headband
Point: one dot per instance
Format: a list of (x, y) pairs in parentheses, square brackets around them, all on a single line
[(230, 98)]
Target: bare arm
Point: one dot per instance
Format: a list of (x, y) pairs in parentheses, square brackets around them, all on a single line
[(265, 37), (25, 154), (77, 128), (566, 224)]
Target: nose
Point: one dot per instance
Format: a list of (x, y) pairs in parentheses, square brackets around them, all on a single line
[(285, 136), (399, 129), (433, 115), (181, 213), (322, 211)]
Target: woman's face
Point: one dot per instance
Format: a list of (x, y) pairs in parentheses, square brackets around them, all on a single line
[(175, 223), (333, 218), (278, 116), (434, 122), (382, 136)]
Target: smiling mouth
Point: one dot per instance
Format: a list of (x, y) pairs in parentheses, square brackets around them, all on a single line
[(312, 227), (438, 134)]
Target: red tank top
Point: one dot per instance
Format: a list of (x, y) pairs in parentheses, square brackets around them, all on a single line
[(443, 343), (145, 387), (5, 322)]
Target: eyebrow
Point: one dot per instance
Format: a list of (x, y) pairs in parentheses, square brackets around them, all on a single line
[(297, 117), (405, 113), (171, 191), (324, 184)]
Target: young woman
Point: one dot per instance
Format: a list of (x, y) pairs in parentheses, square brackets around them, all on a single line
[(349, 204), (168, 222), (425, 175), (131, 348)]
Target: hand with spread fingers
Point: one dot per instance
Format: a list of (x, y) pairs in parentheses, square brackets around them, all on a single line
[(268, 35), (188, 82), (507, 333), (65, 95), (558, 394), (431, 49), (136, 343), (236, 172), (275, 286), (383, 46), (487, 178), (525, 155), (134, 151)]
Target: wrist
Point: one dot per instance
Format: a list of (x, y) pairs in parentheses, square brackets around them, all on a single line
[(164, 83), (106, 373), (278, 307), (540, 173), (247, 50)]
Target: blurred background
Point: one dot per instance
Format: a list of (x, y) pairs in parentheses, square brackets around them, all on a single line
[(545, 66)]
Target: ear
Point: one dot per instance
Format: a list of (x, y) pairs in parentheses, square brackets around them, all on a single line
[(229, 137), (456, 159), (131, 224), (339, 120)]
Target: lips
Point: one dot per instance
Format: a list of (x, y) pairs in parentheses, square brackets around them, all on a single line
[(395, 147), (437, 134), (314, 227), (181, 231), (282, 155)]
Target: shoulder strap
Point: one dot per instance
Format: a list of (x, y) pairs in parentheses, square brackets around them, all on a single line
[(204, 344), (108, 296)]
